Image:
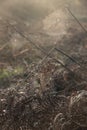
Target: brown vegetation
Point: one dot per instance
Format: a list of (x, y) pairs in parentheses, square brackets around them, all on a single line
[(47, 95)]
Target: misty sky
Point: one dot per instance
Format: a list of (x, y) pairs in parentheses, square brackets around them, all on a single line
[(37, 9)]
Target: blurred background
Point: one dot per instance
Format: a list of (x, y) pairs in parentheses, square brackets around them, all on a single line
[(42, 22)]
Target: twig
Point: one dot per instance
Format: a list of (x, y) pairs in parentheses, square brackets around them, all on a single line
[(22, 52), (3, 47), (62, 52), (77, 20)]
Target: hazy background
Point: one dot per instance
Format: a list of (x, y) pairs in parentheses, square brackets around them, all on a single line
[(50, 16), (34, 10)]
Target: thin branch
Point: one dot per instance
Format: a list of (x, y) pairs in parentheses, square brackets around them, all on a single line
[(72, 59), (77, 20), (22, 52), (3, 47)]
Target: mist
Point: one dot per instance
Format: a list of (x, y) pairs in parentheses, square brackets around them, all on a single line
[(35, 10)]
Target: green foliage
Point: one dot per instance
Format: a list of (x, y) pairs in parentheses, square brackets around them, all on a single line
[(5, 73)]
